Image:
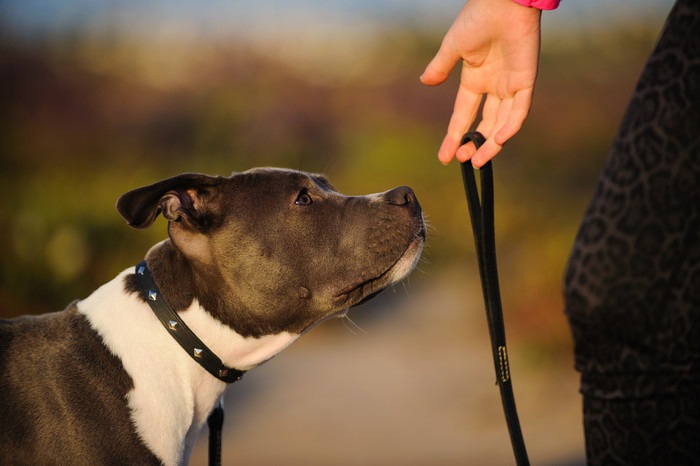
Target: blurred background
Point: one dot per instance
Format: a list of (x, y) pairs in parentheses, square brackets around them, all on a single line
[(97, 98)]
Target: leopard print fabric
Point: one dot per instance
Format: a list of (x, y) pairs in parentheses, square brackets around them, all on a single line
[(632, 287)]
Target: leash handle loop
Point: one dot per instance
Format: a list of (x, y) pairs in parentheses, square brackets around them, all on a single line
[(481, 212)]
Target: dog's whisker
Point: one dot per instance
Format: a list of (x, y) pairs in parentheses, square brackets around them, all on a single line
[(347, 327), (350, 325), (406, 286)]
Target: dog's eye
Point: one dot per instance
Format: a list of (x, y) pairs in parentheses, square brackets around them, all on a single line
[(303, 199)]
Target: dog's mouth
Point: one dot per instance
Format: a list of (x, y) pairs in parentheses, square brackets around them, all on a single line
[(406, 262)]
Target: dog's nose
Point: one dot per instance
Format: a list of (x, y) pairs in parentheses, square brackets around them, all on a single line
[(401, 196)]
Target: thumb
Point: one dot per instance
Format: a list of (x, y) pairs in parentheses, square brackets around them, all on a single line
[(440, 66)]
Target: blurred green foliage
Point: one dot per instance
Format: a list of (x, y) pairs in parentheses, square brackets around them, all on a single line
[(84, 118)]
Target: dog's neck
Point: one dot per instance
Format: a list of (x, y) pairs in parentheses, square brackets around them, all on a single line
[(160, 370)]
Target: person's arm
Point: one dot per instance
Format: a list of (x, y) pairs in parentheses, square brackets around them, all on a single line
[(498, 42)]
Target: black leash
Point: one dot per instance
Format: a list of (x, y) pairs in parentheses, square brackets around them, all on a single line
[(481, 213), (215, 421), (197, 350)]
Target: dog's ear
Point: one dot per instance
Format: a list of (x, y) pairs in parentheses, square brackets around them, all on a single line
[(183, 197)]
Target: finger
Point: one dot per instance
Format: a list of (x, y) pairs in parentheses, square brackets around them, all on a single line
[(465, 152), (489, 114), (465, 109), (488, 117), (447, 149), (488, 150), (495, 112), (440, 66), (509, 117), (486, 153), (518, 113)]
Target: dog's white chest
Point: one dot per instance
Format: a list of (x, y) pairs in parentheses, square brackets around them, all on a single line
[(172, 395)]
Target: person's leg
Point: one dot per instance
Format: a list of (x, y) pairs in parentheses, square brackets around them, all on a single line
[(633, 282)]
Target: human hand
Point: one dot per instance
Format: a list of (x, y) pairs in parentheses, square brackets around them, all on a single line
[(498, 42)]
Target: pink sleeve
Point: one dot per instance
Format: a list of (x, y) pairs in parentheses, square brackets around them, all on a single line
[(539, 4)]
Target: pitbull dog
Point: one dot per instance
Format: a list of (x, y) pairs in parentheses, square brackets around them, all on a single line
[(251, 262)]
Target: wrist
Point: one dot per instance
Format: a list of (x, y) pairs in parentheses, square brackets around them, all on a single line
[(539, 4)]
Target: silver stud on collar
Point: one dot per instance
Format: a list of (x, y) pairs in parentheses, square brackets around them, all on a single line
[(152, 295), (223, 372), (141, 270), (172, 325), (198, 352)]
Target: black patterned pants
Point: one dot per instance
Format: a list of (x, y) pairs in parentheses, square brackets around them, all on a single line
[(633, 281)]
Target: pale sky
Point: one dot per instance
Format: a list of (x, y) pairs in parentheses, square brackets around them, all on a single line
[(32, 17)]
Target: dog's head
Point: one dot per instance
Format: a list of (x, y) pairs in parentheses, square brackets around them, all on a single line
[(271, 250)]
